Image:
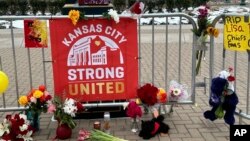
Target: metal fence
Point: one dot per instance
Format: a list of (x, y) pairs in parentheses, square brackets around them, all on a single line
[(166, 53)]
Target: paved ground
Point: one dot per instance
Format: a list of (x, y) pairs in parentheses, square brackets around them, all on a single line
[(186, 122)]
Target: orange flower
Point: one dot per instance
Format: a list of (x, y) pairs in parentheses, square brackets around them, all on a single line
[(162, 95), (216, 32), (74, 15), (210, 30)]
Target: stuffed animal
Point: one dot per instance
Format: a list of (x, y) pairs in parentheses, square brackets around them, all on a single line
[(223, 99), (153, 127)]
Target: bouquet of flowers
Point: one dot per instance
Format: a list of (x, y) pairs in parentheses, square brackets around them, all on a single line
[(204, 29), (37, 101), (133, 110), (76, 15), (64, 111), (148, 94), (204, 26), (178, 92), (16, 128), (151, 96)]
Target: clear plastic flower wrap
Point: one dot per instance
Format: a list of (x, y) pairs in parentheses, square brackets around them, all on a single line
[(178, 92)]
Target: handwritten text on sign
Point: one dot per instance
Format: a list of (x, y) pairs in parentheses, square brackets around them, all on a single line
[(237, 33)]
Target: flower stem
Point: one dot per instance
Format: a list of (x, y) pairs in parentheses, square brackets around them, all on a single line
[(198, 65)]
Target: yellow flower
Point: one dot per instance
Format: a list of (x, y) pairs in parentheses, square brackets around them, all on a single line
[(39, 29), (210, 30), (23, 100), (138, 101), (74, 15), (216, 32), (38, 94)]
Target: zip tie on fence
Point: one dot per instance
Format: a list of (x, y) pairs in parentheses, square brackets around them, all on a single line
[(248, 52), (138, 58), (246, 18), (223, 18)]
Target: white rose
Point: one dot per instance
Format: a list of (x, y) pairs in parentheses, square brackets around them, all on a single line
[(70, 110), (23, 116), (114, 15), (69, 102), (24, 127)]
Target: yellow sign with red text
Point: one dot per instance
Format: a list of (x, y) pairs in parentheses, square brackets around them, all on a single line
[(237, 33)]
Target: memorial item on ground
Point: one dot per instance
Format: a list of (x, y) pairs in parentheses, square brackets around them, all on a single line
[(151, 128), (223, 98)]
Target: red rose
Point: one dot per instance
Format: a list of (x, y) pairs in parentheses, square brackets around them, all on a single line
[(137, 8), (6, 137), (148, 94), (230, 78), (42, 88), (48, 97), (79, 107)]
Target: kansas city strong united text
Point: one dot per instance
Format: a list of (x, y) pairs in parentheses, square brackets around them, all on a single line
[(98, 28), (89, 77)]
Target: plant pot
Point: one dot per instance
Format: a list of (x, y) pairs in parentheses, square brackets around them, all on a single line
[(34, 118), (63, 132)]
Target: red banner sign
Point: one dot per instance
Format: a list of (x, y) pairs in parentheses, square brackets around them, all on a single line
[(96, 59), (35, 33)]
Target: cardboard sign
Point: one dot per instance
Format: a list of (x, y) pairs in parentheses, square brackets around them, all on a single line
[(237, 33), (35, 33), (96, 59)]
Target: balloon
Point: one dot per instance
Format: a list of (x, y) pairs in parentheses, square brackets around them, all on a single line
[(4, 82)]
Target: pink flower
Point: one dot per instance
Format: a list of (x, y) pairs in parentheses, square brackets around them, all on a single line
[(133, 110), (203, 12), (230, 69), (51, 108), (33, 100)]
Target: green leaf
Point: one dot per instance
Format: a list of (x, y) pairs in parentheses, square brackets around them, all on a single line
[(219, 113)]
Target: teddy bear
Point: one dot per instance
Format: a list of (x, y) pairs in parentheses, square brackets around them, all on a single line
[(223, 99), (152, 127)]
